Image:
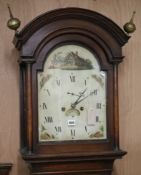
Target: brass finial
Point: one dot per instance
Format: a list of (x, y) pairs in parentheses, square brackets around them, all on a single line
[(13, 23), (130, 27)]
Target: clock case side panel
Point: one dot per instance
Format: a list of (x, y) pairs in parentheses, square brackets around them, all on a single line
[(26, 120), (23, 118)]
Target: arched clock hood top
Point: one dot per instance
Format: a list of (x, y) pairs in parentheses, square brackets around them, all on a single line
[(70, 18)]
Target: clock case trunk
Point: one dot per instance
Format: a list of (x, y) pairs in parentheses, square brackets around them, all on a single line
[(105, 39)]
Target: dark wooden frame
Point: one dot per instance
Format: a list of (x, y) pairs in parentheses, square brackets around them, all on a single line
[(35, 41), (5, 168)]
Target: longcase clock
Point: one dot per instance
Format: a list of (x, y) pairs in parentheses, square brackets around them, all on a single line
[(69, 92)]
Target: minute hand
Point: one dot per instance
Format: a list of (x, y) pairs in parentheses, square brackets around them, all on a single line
[(78, 101)]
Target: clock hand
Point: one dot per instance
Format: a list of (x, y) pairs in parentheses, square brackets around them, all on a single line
[(81, 94), (72, 109), (75, 103), (78, 101), (73, 94)]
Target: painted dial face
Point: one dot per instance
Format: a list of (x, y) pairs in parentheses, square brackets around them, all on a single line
[(71, 96)]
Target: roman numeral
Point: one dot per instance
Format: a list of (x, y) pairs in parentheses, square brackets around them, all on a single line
[(44, 106), (94, 92), (58, 82), (97, 118), (72, 132), (98, 105), (85, 82), (49, 119), (48, 92), (58, 128), (72, 78), (86, 128)]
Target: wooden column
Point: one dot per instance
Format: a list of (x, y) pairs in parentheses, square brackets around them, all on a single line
[(29, 106), (116, 104)]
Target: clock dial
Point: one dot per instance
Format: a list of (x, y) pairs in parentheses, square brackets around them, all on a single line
[(71, 96)]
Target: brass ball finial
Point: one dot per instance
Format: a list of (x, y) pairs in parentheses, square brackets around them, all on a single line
[(130, 27), (13, 23)]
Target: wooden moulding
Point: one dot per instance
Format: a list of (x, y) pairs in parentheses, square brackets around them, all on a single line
[(5, 168)]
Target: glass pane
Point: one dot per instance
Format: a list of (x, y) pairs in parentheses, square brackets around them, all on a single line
[(71, 96)]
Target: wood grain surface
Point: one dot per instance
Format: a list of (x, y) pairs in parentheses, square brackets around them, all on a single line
[(129, 79)]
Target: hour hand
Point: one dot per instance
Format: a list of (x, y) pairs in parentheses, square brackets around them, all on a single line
[(71, 93), (78, 101), (80, 93), (73, 105)]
